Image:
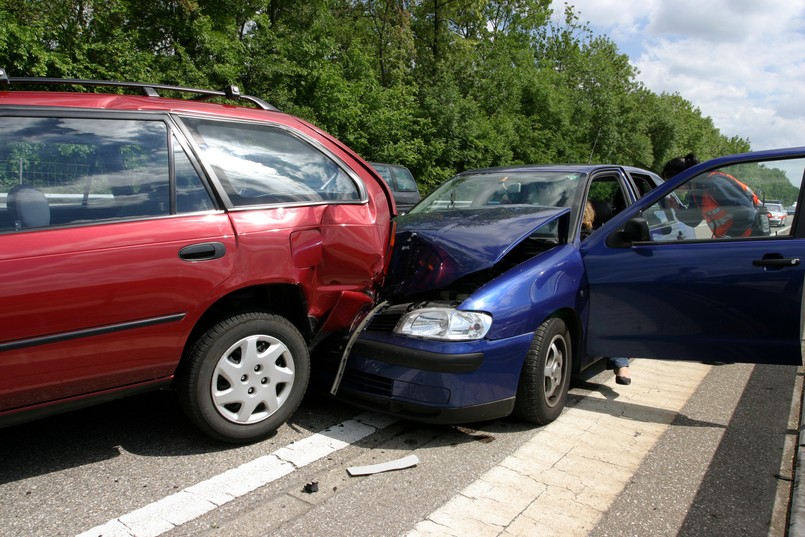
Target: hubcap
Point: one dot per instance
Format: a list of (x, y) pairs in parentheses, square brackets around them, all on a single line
[(554, 370), (252, 379)]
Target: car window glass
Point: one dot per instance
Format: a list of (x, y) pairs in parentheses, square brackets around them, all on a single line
[(606, 189), (405, 181), (728, 203), (385, 173), (259, 165), (57, 171), (497, 190), (191, 196), (606, 198), (643, 182), (539, 188)]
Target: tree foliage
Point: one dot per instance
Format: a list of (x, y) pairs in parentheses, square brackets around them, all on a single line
[(437, 85)]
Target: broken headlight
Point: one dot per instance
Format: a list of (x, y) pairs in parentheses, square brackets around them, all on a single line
[(444, 323)]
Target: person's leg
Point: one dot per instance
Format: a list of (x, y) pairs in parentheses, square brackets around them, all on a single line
[(621, 366)]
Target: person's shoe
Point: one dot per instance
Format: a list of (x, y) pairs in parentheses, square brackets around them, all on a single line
[(622, 380)]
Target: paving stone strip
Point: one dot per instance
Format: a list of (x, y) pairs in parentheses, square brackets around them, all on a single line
[(564, 479)]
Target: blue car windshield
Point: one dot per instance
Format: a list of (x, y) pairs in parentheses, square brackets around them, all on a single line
[(545, 188)]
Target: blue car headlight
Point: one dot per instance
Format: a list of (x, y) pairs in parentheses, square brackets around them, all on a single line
[(444, 323)]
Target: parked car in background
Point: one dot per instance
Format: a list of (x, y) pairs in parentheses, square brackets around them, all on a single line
[(778, 216), (402, 183), (494, 301), (152, 242)]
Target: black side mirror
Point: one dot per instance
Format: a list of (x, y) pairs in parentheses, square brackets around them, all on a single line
[(635, 230)]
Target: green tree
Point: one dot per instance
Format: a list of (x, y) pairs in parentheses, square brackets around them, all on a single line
[(437, 85)]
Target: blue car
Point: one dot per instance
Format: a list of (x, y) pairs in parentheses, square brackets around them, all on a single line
[(496, 296)]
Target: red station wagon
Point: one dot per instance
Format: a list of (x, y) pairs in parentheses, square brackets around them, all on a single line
[(150, 242)]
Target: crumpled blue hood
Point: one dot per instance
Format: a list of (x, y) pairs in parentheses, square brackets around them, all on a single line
[(434, 249)]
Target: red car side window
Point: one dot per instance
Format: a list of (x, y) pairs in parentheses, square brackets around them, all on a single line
[(258, 164)]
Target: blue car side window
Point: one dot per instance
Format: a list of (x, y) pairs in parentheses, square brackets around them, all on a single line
[(729, 203)]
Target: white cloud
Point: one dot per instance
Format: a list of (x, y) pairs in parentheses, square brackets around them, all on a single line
[(741, 62)]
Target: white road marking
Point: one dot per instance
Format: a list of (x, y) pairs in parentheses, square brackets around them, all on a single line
[(565, 478), (165, 514)]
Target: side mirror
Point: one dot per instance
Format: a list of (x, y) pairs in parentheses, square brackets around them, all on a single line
[(635, 230)]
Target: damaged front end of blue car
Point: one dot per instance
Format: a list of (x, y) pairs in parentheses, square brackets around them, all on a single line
[(464, 291)]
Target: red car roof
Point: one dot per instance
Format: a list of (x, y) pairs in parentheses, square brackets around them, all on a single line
[(112, 101)]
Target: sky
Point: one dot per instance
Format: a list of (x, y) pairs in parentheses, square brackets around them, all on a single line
[(740, 62)]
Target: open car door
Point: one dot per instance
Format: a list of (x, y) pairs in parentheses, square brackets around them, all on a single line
[(692, 271)]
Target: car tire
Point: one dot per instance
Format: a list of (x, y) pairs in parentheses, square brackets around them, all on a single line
[(241, 399), (545, 378)]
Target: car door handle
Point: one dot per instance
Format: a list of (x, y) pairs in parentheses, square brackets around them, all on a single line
[(204, 251), (776, 262)]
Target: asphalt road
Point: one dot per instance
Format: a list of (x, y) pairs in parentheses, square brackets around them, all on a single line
[(686, 449)]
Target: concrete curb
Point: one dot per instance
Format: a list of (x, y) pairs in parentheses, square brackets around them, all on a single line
[(796, 514)]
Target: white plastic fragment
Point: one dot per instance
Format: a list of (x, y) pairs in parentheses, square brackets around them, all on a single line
[(399, 464)]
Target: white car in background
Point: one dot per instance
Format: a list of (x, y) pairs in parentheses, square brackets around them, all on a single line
[(778, 216)]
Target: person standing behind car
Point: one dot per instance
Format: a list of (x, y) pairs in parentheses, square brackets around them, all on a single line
[(728, 206), (678, 164)]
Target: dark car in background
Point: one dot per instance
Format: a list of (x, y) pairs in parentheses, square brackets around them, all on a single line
[(150, 242), (493, 300), (402, 183)]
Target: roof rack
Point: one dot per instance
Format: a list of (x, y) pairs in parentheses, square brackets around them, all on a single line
[(149, 90)]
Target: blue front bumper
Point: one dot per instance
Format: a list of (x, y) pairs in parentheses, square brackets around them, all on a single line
[(437, 382)]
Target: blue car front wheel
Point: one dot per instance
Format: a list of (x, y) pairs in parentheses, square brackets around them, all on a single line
[(545, 378)]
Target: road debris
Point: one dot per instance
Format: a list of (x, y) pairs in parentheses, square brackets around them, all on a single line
[(399, 464)]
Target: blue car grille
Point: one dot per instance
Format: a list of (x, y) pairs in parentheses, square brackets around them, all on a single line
[(385, 321), (356, 380), (367, 383)]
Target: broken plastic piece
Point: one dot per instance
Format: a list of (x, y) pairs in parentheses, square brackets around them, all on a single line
[(399, 464)]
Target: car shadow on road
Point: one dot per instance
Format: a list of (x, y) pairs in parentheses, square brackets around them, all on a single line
[(147, 424), (153, 425)]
